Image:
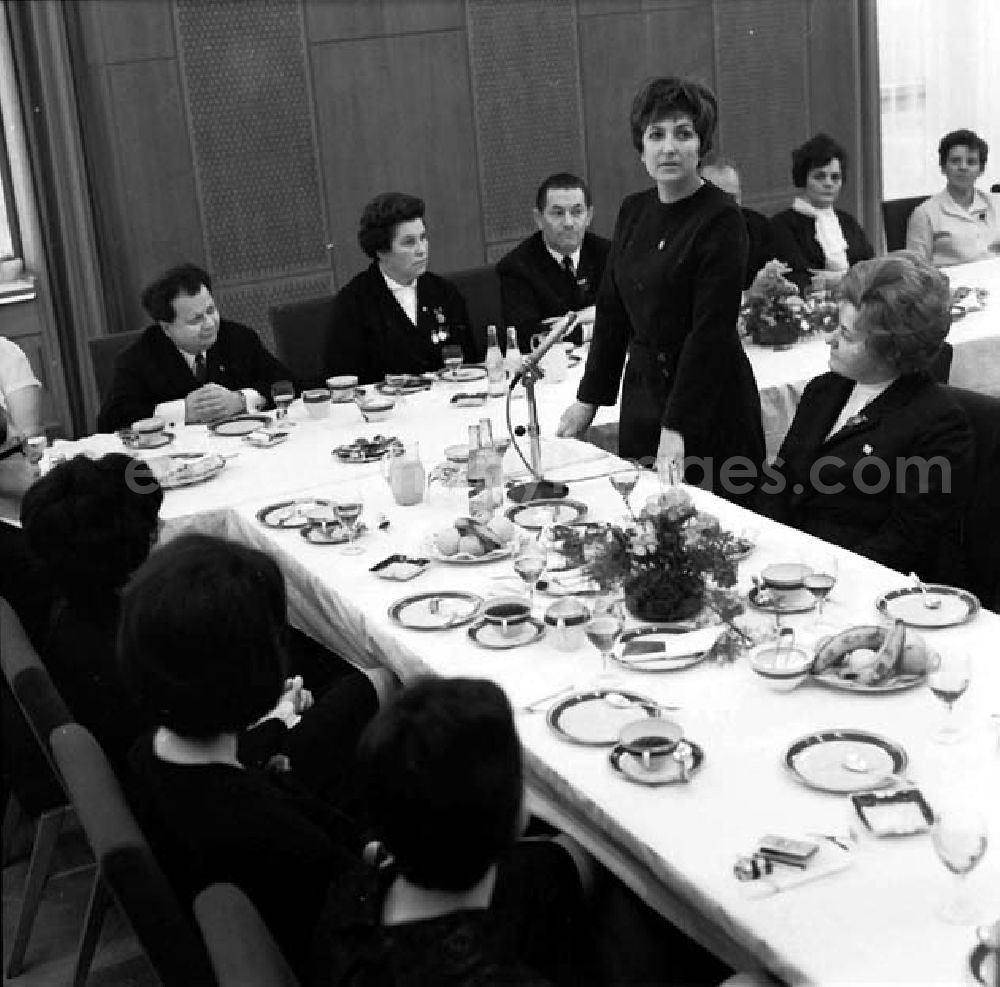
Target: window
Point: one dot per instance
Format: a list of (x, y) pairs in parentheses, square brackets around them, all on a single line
[(938, 72), (9, 245)]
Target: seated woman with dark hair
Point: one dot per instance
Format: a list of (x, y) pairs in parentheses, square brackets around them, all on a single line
[(202, 641), (818, 242), (878, 458), (395, 316), (462, 900)]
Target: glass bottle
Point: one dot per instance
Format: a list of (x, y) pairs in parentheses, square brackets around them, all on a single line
[(512, 358), (494, 364)]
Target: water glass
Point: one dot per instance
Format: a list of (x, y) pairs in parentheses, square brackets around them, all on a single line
[(959, 835)]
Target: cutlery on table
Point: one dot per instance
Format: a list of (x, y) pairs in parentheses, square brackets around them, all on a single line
[(930, 602)]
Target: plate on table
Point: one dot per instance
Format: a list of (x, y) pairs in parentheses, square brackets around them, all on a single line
[(845, 761), (437, 611), (907, 604), (466, 558), (293, 513), (239, 425), (893, 683), (587, 718), (132, 441), (666, 772), (489, 635), (332, 533), (363, 450), (462, 375), (412, 384), (568, 582), (182, 469), (781, 601), (538, 514), (659, 648)]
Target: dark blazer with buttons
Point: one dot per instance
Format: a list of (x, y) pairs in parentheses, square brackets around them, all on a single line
[(533, 286), (370, 335), (830, 487), (795, 243), (152, 370)]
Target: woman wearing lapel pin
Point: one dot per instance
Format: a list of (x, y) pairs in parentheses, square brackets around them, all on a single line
[(395, 316), (878, 458), (669, 302), (818, 242)]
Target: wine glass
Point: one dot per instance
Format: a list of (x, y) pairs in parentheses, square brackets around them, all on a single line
[(948, 678), (819, 579), (452, 357), (283, 394), (348, 508), (624, 482), (603, 630), (529, 565), (959, 836)]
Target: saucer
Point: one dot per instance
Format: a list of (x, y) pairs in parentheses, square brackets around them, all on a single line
[(292, 513), (437, 611), (587, 718), (829, 761), (907, 604), (154, 442), (782, 601), (489, 635), (239, 425), (666, 772)]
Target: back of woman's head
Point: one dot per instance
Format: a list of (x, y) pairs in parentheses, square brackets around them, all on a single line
[(441, 774), (91, 522), (202, 633), (904, 307)]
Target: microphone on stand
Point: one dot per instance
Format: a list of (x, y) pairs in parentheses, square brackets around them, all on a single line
[(555, 335)]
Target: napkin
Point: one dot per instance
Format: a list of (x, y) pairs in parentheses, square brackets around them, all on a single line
[(828, 859), (675, 645)]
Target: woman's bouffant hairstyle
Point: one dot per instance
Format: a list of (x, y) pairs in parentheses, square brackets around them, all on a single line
[(380, 218), (815, 153), (92, 522), (202, 636), (158, 296), (903, 305), (666, 97), (444, 833), (963, 138)]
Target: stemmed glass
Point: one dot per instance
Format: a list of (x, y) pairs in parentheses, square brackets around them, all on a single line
[(820, 579), (529, 565), (603, 630), (452, 357), (348, 508), (948, 678), (624, 482), (283, 394), (959, 835)]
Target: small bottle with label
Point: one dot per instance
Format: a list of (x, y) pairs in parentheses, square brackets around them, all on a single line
[(512, 358), (474, 469), (494, 364)]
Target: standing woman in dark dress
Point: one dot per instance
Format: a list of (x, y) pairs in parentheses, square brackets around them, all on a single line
[(669, 301), (395, 316)]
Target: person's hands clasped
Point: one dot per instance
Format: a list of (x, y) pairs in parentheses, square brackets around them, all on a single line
[(210, 402), (576, 420), (670, 452), (586, 317)]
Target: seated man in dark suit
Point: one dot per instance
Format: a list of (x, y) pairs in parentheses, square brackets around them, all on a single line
[(559, 268), (722, 173), (879, 456), (190, 365)]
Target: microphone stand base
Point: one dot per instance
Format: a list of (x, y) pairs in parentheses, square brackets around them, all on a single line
[(522, 493)]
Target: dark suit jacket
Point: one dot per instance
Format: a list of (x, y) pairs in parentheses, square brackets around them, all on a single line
[(370, 335), (152, 371), (534, 287), (762, 247), (903, 522), (796, 244)]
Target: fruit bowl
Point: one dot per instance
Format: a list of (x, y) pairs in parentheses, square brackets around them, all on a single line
[(468, 541), (870, 658)]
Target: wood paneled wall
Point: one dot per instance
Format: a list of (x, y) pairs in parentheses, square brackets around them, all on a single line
[(247, 134)]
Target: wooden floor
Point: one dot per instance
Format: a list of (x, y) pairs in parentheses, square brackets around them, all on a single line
[(51, 954)]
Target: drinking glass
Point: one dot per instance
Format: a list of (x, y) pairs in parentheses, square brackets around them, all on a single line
[(959, 836), (624, 482), (948, 678), (820, 579), (349, 508), (283, 394), (394, 384), (529, 565), (452, 357), (603, 630)]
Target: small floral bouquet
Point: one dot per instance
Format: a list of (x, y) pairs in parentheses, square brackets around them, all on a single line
[(773, 312)]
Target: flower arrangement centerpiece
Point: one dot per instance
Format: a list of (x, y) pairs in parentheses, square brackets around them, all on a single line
[(772, 313), (672, 562)]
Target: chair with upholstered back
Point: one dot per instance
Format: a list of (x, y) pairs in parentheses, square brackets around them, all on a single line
[(895, 216), (480, 287), (981, 521), (32, 709), (128, 872), (104, 350), (300, 330), (240, 946)]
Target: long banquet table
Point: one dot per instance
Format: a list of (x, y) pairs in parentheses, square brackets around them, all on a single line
[(873, 923)]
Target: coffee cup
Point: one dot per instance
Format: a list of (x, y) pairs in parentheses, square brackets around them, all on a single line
[(508, 614), (342, 388), (567, 618), (651, 740), (316, 401), (147, 431)]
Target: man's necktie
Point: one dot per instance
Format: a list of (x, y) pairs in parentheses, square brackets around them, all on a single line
[(569, 269), (200, 368)]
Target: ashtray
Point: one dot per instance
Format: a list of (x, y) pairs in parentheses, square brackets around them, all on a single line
[(400, 567), (899, 813), (466, 400)]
